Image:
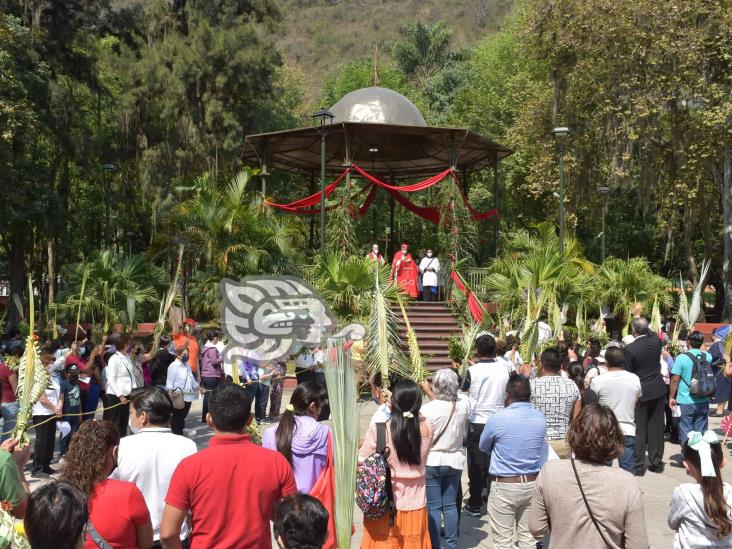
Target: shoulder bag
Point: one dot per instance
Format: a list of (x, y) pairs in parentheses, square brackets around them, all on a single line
[(587, 505), (96, 537)]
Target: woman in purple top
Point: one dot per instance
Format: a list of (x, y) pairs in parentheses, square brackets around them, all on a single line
[(299, 437)]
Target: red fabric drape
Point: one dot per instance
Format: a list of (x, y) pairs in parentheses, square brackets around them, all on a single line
[(474, 306), (430, 213), (414, 187), (309, 200)]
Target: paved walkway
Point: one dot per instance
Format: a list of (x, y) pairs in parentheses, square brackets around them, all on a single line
[(474, 532)]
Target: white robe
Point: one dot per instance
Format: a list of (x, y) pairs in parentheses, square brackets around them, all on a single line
[(429, 278)]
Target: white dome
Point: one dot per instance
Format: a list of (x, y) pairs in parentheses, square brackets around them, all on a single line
[(377, 106)]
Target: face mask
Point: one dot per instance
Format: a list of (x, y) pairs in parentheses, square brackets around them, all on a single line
[(376, 251), (404, 252), (429, 254), (184, 357), (134, 430)]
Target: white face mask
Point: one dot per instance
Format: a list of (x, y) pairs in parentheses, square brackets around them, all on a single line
[(404, 252), (376, 251), (429, 254), (134, 430)]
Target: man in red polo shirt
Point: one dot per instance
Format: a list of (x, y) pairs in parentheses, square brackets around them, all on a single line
[(230, 488)]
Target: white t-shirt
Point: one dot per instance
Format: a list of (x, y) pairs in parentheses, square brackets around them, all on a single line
[(554, 396), (148, 459), (486, 385), (688, 517), (53, 394), (619, 390), (449, 449), (517, 359), (510, 368)]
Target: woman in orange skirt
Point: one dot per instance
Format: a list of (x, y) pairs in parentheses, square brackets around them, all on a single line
[(409, 437)]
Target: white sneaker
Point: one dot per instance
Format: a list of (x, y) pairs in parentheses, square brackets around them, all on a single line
[(190, 433)]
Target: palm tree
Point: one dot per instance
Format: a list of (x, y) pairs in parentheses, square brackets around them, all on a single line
[(230, 232), (117, 289), (347, 283), (622, 284), (424, 51)]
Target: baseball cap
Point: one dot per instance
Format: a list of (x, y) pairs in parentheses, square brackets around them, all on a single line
[(189, 321)]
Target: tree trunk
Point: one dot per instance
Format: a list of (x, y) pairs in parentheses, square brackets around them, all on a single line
[(689, 251), (727, 238), (16, 270), (51, 273)]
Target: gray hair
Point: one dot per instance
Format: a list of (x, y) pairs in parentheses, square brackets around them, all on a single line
[(445, 384), (640, 326)]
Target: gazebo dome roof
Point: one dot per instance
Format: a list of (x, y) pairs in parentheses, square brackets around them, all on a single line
[(377, 106)]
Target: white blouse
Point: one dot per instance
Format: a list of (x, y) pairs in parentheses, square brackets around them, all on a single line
[(181, 377), (449, 449)]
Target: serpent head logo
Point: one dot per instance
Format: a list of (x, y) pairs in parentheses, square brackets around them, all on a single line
[(267, 318)]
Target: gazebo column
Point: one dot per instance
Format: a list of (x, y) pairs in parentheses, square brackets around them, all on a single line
[(263, 175)]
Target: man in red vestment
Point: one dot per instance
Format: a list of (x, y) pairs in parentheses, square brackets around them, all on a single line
[(374, 254), (404, 270)]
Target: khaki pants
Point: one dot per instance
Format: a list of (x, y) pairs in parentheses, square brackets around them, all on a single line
[(561, 448), (508, 512)]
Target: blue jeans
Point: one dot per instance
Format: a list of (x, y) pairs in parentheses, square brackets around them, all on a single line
[(627, 458), (92, 401), (693, 418), (10, 414), (209, 383), (442, 487)]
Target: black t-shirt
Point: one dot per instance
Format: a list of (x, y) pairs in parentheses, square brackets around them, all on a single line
[(159, 366)]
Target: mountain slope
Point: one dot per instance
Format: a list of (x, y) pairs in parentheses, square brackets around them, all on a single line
[(320, 35)]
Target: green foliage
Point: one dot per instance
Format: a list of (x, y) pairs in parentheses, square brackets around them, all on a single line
[(360, 73), (347, 282), (231, 232), (113, 281)]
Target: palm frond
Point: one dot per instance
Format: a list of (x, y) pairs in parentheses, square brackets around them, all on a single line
[(696, 298), (32, 378), (419, 372), (343, 396), (382, 340)]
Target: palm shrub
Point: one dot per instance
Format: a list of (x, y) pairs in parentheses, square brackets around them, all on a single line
[(621, 284), (229, 231), (347, 283), (117, 289)]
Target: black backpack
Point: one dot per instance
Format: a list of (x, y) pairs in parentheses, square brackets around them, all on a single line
[(703, 381)]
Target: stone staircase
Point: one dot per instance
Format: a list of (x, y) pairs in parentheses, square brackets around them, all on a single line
[(434, 325)]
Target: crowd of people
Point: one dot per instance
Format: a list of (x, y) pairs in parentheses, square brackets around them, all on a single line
[(537, 440)]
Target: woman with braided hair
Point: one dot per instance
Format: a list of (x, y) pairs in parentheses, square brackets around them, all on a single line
[(408, 442)]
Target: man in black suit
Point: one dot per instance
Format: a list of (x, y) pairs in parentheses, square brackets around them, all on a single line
[(643, 358)]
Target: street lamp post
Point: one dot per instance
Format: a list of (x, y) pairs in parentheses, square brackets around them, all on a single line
[(560, 133), (604, 192), (323, 118)]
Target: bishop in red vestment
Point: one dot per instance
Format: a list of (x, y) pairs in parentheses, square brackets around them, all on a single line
[(374, 254), (404, 271)]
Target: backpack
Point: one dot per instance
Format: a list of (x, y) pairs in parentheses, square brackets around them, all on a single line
[(703, 381), (374, 494)]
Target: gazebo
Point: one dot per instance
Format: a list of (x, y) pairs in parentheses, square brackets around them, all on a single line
[(381, 135)]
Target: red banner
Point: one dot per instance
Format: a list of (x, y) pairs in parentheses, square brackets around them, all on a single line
[(474, 306)]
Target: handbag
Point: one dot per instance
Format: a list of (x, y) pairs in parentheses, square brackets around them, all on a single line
[(179, 402), (587, 505), (436, 439)]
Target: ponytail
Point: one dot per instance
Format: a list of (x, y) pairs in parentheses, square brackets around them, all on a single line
[(715, 504), (406, 438), (302, 397)]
